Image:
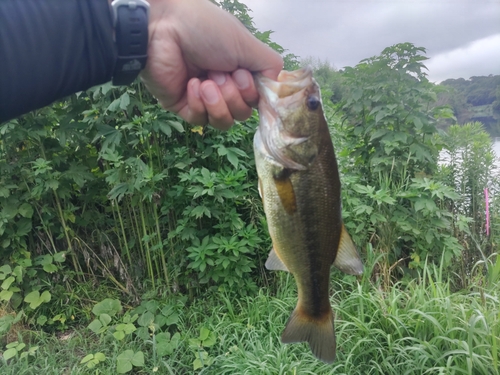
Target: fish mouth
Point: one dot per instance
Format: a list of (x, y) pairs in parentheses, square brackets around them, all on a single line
[(277, 98), (287, 84)]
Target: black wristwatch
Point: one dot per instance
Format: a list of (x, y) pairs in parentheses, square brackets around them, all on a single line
[(130, 19)]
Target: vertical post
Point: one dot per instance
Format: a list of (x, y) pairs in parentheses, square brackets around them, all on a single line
[(487, 211)]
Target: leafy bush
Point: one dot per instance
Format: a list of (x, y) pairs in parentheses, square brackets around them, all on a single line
[(389, 158)]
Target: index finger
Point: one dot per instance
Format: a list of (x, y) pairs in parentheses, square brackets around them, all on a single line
[(256, 56)]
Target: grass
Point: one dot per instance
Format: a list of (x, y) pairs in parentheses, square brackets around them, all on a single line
[(417, 328)]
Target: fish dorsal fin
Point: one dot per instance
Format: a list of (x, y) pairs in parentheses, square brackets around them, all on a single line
[(347, 259), (274, 263)]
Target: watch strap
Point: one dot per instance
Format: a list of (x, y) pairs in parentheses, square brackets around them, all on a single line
[(131, 18)]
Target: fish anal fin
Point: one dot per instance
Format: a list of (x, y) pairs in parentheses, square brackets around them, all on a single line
[(274, 263), (318, 332), (284, 187), (347, 259)]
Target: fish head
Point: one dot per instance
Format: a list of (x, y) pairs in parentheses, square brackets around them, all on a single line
[(291, 116)]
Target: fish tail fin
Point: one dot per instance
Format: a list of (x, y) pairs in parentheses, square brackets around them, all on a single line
[(318, 332)]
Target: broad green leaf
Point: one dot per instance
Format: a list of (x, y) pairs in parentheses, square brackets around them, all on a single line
[(127, 328), (357, 93), (100, 356), (378, 133), (165, 128), (222, 150), (52, 184), (177, 126), (41, 320), (34, 299), (95, 326), (172, 319), (7, 282), (105, 319), (6, 295), (4, 271), (418, 123), (50, 268), (197, 364), (204, 332), (128, 358), (119, 335), (23, 227), (233, 158), (60, 257), (163, 344), (18, 273), (87, 358), (124, 101), (26, 210), (138, 359), (146, 319), (9, 353), (210, 340), (123, 362), (107, 306), (45, 297), (380, 115), (115, 104), (43, 260), (142, 333)]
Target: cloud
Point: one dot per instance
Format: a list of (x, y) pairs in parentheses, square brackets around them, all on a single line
[(482, 57), (344, 32)]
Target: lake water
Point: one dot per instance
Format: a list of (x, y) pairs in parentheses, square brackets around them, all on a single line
[(443, 156), (496, 146)]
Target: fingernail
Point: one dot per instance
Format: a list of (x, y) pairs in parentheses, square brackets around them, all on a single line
[(218, 77), (195, 87), (210, 94), (241, 79)]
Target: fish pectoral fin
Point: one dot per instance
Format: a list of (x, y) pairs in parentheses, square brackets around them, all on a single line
[(259, 187), (274, 263), (347, 259), (284, 188), (319, 332)]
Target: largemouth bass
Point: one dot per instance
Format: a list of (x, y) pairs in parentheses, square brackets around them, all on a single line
[(300, 188)]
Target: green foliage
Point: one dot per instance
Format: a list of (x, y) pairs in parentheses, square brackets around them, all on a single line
[(138, 199), (474, 99), (24, 280), (93, 359), (146, 188), (389, 157), (123, 188), (413, 328), (128, 359), (15, 349), (469, 166), (206, 339)]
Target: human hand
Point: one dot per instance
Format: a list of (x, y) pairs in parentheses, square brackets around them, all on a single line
[(199, 62)]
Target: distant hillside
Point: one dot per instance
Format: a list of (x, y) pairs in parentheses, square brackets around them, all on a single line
[(474, 99)]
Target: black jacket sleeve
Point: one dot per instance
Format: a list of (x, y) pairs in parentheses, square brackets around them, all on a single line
[(50, 49)]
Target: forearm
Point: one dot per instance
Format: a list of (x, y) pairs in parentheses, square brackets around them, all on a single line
[(50, 49)]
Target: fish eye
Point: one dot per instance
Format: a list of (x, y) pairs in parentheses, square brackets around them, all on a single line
[(312, 102)]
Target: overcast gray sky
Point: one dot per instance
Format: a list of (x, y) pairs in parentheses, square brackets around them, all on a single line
[(462, 37)]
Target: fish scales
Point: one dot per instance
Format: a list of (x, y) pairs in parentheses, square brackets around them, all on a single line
[(300, 188)]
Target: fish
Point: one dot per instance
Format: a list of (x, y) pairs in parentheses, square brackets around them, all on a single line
[(300, 189)]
